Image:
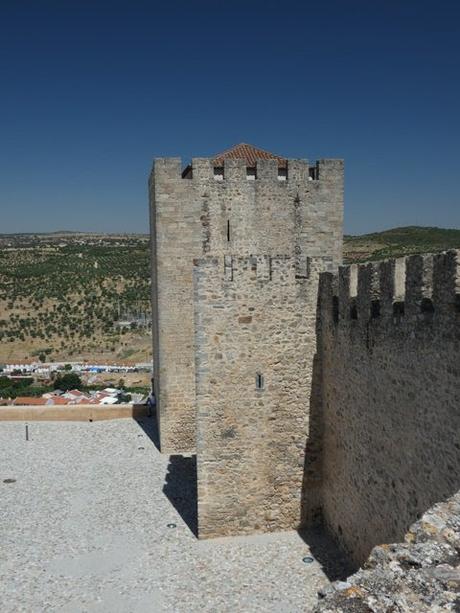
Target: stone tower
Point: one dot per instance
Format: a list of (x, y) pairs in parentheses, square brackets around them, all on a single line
[(238, 241)]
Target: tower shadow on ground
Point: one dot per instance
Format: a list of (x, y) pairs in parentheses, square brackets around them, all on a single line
[(149, 426), (181, 489), (180, 486)]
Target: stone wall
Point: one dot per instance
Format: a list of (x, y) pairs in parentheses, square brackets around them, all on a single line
[(265, 215), (175, 235), (391, 396), (255, 341), (199, 216), (421, 575)]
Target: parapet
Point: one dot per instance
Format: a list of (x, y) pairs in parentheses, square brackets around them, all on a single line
[(264, 170), (257, 268), (417, 286), (262, 268)]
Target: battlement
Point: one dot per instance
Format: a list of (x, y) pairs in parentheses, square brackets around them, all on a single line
[(262, 268), (411, 287), (388, 338), (263, 170)]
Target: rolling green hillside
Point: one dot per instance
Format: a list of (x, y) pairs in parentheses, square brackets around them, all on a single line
[(74, 296), (399, 242)]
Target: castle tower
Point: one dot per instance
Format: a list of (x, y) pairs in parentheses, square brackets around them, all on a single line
[(238, 242)]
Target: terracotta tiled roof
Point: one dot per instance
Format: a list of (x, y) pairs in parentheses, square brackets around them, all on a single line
[(28, 400), (249, 153), (58, 400), (73, 394)]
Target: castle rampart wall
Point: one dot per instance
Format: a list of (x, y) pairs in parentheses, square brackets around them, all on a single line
[(391, 399), (255, 342)]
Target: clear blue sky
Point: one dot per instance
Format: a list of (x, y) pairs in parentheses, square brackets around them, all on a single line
[(92, 91)]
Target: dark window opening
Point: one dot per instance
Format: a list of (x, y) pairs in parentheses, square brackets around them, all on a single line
[(335, 309), (398, 308), (251, 173), (228, 230), (282, 174), (219, 173), (259, 382), (457, 303), (375, 309), (187, 173), (426, 306)]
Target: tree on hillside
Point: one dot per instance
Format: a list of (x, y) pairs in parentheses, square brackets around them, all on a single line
[(69, 381)]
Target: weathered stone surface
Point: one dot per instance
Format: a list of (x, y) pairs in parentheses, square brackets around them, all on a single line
[(253, 383), (418, 576), (391, 397), (196, 216)]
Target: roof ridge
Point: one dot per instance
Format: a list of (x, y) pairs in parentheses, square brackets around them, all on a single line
[(248, 152)]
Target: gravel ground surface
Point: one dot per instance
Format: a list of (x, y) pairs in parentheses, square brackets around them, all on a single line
[(84, 527)]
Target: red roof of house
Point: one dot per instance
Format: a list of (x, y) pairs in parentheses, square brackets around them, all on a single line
[(58, 400), (249, 153), (26, 400)]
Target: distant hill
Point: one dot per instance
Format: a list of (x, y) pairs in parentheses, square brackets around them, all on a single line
[(399, 242)]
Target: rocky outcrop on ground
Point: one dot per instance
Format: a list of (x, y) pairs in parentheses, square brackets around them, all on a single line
[(420, 575)]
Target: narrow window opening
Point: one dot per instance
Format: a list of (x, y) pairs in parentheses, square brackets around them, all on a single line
[(251, 174), (335, 309), (375, 309), (398, 309), (312, 173), (228, 231), (259, 381)]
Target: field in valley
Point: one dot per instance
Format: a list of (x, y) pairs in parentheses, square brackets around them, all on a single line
[(74, 297)]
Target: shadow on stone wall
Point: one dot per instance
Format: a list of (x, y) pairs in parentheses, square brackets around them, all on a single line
[(181, 488), (311, 502), (323, 546), (311, 483)]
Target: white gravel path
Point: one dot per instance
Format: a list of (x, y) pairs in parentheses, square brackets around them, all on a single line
[(84, 528)]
